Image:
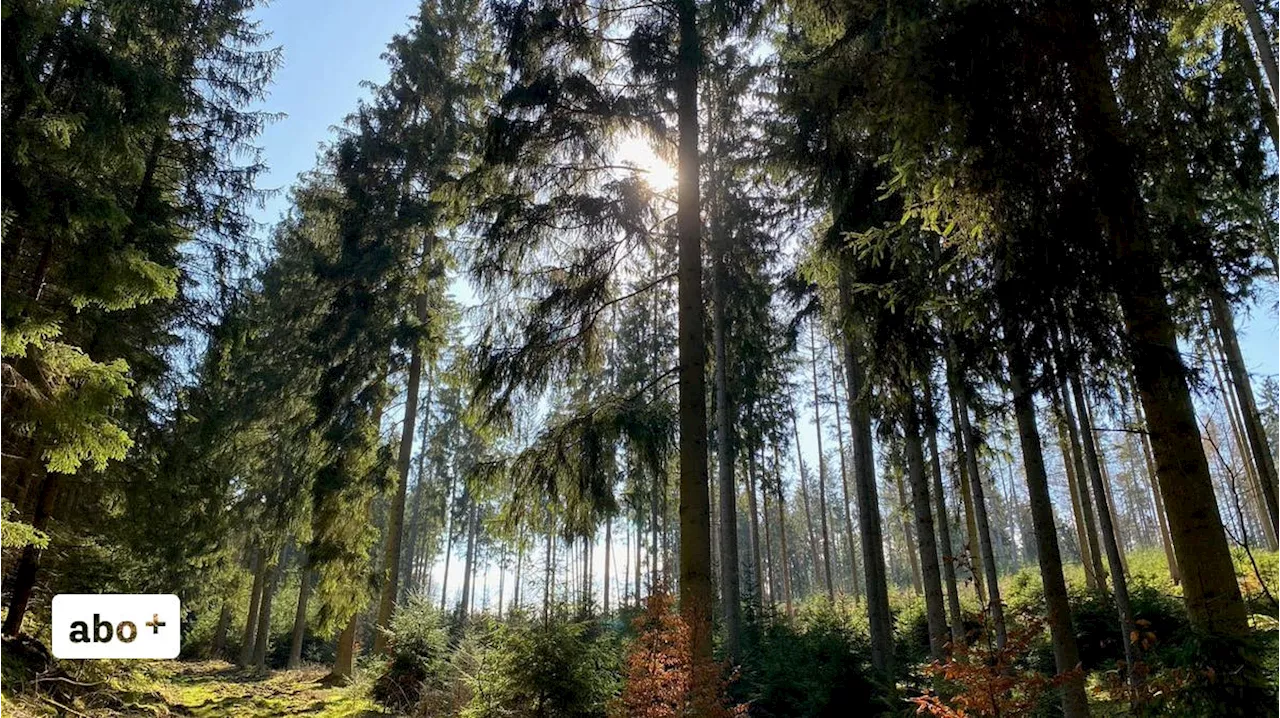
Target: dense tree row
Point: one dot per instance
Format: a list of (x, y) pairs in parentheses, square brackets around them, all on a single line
[(941, 291)]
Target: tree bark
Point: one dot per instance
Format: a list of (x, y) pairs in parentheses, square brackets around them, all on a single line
[(344, 662), (1110, 540), (395, 522), (785, 558), (994, 604), (822, 471), (966, 496), (1073, 486), (1262, 45), (1074, 434), (757, 567), (944, 532), (1263, 461), (803, 485), (446, 520), (24, 577), (908, 536), (1165, 540), (1065, 652), (255, 598), (880, 621), (220, 633), (262, 639), (300, 615), (608, 543), (695, 511), (926, 539), (725, 448), (844, 471), (1212, 595)]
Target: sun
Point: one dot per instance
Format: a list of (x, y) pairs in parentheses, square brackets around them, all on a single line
[(637, 152)]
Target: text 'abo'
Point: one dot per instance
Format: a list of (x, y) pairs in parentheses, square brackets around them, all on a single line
[(116, 625)]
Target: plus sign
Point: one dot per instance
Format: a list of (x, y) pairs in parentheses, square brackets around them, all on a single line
[(155, 623)]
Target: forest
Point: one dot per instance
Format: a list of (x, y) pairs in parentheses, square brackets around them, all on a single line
[(650, 358)]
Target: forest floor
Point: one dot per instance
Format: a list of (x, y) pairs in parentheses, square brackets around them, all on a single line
[(209, 689)]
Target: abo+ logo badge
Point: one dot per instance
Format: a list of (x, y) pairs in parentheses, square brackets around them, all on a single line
[(116, 625)]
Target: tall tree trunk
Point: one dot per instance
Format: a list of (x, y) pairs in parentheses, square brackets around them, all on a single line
[(966, 497), (1257, 501), (468, 567), (515, 591), (1262, 45), (549, 571), (300, 615), (757, 567), (1110, 540), (395, 520), (803, 484), (1073, 487), (908, 535), (844, 471), (24, 577), (994, 603), (926, 539), (220, 633), (1065, 652), (695, 510), (1165, 540), (785, 558), (944, 531), (262, 639), (1263, 461), (255, 598), (608, 544), (726, 439), (822, 470), (639, 543), (1120, 538), (1234, 39), (1074, 433), (344, 662), (446, 520), (1212, 595), (770, 577), (879, 619)]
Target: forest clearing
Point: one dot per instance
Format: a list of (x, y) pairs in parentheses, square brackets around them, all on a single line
[(640, 358)]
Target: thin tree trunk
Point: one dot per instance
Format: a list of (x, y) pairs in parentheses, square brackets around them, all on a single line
[(908, 535), (926, 539), (771, 581), (1232, 36), (1212, 595), (1260, 511), (879, 619), (844, 471), (220, 634), (395, 520), (822, 471), (1263, 461), (1065, 652), (726, 439), (1074, 434), (608, 543), (300, 615), (262, 641), (785, 558), (446, 520), (1110, 541), (24, 577), (255, 598), (1262, 45), (966, 497), (549, 570), (804, 498), (994, 603), (757, 567), (1073, 486), (944, 531), (468, 567)]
